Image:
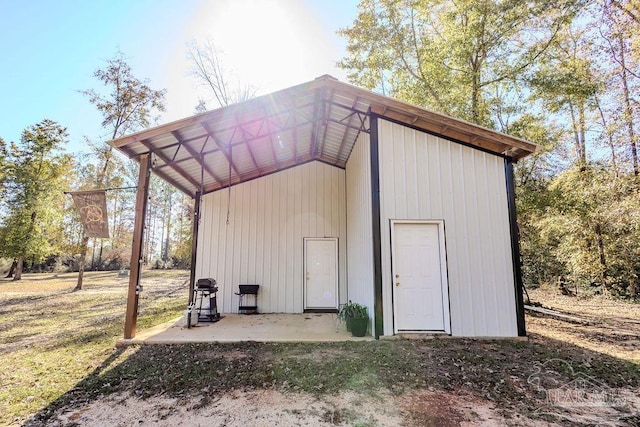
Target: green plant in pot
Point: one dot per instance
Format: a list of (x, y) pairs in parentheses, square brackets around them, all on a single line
[(356, 317)]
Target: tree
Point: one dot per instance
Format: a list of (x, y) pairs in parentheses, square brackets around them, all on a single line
[(449, 55), (3, 165), (618, 29), (566, 83), (36, 171), (128, 105), (209, 70)]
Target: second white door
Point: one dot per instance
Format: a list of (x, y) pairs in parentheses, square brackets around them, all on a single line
[(419, 277), (321, 274)]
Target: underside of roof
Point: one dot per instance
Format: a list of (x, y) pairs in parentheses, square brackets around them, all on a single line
[(319, 120)]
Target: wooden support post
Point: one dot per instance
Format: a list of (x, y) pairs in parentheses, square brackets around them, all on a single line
[(142, 195), (194, 245)]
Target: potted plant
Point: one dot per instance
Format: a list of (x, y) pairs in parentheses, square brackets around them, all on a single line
[(356, 317)]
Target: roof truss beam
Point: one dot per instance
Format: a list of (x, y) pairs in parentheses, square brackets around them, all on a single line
[(198, 156)]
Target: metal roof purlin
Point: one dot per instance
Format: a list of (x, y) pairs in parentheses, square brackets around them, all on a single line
[(199, 157), (326, 115), (224, 150), (246, 141), (166, 159), (316, 120), (175, 154), (349, 118)]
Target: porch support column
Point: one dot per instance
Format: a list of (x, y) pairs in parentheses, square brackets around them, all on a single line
[(515, 246), (142, 196), (378, 321), (194, 245)]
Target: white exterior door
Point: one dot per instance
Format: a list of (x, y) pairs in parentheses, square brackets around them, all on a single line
[(321, 273), (420, 292)]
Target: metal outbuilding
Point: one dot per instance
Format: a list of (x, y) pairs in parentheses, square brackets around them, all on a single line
[(325, 192)]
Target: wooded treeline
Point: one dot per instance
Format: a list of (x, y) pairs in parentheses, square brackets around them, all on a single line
[(561, 73), (40, 228)]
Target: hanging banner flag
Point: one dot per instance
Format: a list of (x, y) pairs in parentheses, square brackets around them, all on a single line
[(92, 206)]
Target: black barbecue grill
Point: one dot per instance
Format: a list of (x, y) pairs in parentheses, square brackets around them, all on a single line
[(206, 289)]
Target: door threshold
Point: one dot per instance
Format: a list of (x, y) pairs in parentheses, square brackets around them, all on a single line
[(320, 310)]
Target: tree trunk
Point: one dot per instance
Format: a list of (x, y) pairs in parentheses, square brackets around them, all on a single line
[(601, 256), (12, 269), (610, 142), (99, 266), (18, 272), (628, 112), (166, 247), (20, 264), (83, 255), (582, 140)]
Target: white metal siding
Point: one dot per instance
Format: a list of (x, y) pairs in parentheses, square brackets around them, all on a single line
[(359, 229), (426, 177), (263, 243)]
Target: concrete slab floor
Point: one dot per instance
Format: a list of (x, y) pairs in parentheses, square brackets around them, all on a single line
[(308, 327)]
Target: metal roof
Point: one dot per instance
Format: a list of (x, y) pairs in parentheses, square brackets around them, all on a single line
[(318, 120)]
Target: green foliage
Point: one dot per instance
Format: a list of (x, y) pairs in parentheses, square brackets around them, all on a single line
[(449, 56), (561, 74), (3, 166), (36, 171), (353, 310), (129, 104), (584, 227)]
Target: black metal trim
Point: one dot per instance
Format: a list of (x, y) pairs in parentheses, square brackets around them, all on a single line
[(515, 246), (457, 141), (376, 232)]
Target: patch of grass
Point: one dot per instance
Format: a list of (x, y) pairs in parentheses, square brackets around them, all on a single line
[(52, 338)]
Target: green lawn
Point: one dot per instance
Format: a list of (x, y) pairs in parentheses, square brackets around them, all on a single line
[(51, 337)]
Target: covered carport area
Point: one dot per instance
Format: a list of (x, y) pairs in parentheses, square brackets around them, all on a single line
[(213, 151)]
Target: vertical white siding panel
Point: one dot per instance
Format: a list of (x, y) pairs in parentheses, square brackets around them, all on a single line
[(300, 179), (269, 218), (446, 172), (252, 236), (388, 204), (477, 282), (359, 244), (235, 229), (426, 177), (422, 185), (259, 247), (215, 270), (489, 244), (342, 244), (501, 237), (283, 256)]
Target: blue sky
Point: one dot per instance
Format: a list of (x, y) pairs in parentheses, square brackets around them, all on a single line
[(51, 48)]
